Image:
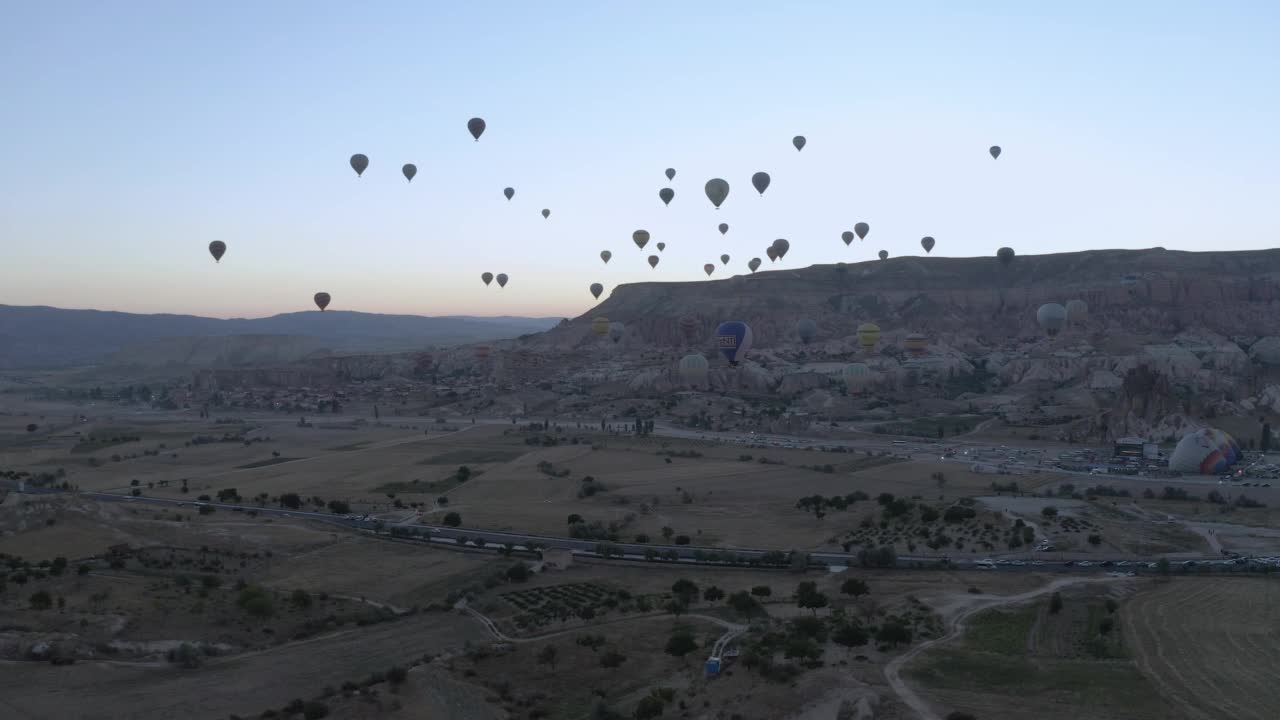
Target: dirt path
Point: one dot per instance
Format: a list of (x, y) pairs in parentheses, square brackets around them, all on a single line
[(893, 671)]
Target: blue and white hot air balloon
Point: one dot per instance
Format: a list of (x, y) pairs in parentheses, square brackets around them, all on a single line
[(733, 339)]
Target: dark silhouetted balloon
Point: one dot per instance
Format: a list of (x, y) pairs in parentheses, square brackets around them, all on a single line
[(1005, 255), (476, 127), (666, 194), (640, 238), (724, 228), (884, 254), (616, 330), (847, 237), (799, 142), (322, 300), (409, 171), (772, 252), (717, 191), (995, 152), (509, 192), (671, 173), (217, 249), (807, 329), (502, 279), (487, 277), (709, 268), (927, 243), (359, 163), (605, 255), (596, 289), (653, 261), (724, 259), (662, 246), (781, 246), (760, 181), (754, 264), (545, 213), (862, 229)]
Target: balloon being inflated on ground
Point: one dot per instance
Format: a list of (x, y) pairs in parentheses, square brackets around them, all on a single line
[(1207, 451)]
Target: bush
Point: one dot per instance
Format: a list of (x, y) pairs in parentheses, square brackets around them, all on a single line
[(453, 519), (256, 601), (612, 659), (300, 599), (960, 715), (1055, 604), (762, 591), (397, 675), (186, 656), (41, 600), (1049, 511), (681, 644), (518, 572), (314, 710)]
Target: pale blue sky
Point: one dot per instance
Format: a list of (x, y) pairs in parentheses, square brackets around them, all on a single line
[(134, 133)]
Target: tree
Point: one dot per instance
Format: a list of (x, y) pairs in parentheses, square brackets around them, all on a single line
[(397, 675), (547, 656), (1049, 511), (762, 591), (667, 532), (612, 659), (892, 633), (649, 707), (300, 599), (186, 656), (713, 594), (851, 635), (314, 710), (1095, 539), (32, 427), (453, 519), (743, 603), (519, 572), (574, 518), (1106, 625), (339, 507), (41, 600), (684, 589), (592, 642), (1162, 566), (854, 587), (681, 643), (813, 600), (1055, 604)]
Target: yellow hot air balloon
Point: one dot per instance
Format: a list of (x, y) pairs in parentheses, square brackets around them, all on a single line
[(868, 335), (600, 326)]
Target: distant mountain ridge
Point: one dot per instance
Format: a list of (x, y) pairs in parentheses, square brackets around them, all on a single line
[(41, 336)]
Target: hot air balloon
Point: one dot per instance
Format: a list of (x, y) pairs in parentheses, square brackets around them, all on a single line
[(772, 252), (807, 329), (724, 228), (600, 326), (753, 264), (995, 152), (927, 242), (409, 171), (688, 327), (856, 376), (322, 300), (359, 163), (733, 338), (502, 279), (640, 238), (693, 369), (708, 269), (717, 191), (868, 336), (1206, 451), (760, 181), (862, 229), (671, 173), (509, 192), (545, 213), (799, 142), (596, 289), (217, 249), (487, 277), (781, 246), (616, 329), (884, 254), (1005, 256), (916, 344), (1077, 312), (662, 246), (476, 127), (1051, 317), (666, 194), (653, 261), (605, 255), (847, 237), (481, 352), (724, 259)]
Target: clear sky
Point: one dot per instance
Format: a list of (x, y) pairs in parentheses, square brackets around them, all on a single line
[(133, 133)]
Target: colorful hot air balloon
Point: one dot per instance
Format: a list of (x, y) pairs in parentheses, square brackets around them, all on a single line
[(653, 261), (661, 246), (509, 192), (760, 181), (217, 249), (409, 171), (847, 237), (1206, 451), (616, 329), (545, 213), (502, 279), (884, 254), (733, 338), (1051, 317), (1077, 312), (799, 142), (666, 194), (927, 242), (724, 228), (868, 336), (605, 255), (359, 163), (640, 238), (916, 344), (753, 264), (1005, 256), (596, 290), (807, 330), (724, 259), (476, 127), (688, 327), (995, 152), (717, 190), (671, 173), (600, 326), (856, 376), (487, 277), (693, 369), (708, 269), (322, 300)]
